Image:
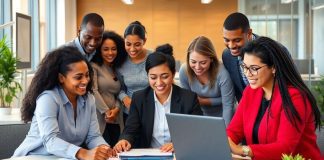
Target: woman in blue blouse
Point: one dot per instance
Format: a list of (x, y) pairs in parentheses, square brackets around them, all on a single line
[(61, 110)]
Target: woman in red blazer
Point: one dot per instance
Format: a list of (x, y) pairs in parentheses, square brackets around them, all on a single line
[(277, 113)]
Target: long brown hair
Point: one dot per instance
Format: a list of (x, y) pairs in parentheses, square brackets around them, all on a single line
[(203, 46)]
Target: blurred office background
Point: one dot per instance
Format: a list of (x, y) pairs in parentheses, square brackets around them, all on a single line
[(297, 24)]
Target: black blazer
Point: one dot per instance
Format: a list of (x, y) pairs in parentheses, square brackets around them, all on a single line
[(139, 125)]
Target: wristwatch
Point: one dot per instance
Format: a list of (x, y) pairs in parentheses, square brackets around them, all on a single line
[(246, 150)]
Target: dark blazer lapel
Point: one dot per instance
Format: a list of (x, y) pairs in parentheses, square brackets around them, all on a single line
[(149, 109), (237, 74), (175, 100)]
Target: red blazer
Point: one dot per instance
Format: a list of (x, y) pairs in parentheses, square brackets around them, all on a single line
[(276, 134)]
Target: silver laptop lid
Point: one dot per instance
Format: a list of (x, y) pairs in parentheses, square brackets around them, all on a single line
[(198, 137)]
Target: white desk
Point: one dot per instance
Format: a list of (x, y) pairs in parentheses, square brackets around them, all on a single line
[(37, 157), (235, 157)]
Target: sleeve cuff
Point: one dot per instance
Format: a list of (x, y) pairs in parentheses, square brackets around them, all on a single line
[(97, 142), (72, 151), (121, 96)]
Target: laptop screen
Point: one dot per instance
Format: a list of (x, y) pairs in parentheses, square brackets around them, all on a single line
[(198, 137)]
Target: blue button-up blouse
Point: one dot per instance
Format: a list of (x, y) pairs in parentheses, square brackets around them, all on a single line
[(53, 129)]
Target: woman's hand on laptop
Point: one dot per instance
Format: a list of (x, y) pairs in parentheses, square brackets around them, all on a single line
[(122, 145), (168, 147)]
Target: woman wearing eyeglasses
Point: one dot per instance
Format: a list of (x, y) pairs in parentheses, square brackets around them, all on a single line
[(277, 113), (204, 75)]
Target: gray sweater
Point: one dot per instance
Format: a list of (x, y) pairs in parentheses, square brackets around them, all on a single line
[(221, 95), (134, 77)]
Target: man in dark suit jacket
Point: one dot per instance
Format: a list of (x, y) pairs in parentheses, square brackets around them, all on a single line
[(236, 33), (139, 125)]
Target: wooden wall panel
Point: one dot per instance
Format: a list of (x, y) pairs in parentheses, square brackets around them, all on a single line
[(176, 22)]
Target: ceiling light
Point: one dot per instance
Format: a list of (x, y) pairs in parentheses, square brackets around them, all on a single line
[(128, 2), (206, 1), (287, 1), (318, 7)]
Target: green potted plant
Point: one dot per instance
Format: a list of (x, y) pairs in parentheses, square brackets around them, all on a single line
[(8, 85), (291, 157), (318, 91)]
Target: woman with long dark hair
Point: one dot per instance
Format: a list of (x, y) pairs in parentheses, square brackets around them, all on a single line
[(277, 113), (61, 110)]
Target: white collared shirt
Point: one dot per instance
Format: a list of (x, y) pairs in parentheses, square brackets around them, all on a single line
[(161, 134)]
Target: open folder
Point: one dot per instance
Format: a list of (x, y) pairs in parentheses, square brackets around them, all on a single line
[(147, 153)]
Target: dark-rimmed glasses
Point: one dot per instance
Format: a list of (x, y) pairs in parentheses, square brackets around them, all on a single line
[(252, 69)]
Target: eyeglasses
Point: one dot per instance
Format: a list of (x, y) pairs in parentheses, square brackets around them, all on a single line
[(253, 69)]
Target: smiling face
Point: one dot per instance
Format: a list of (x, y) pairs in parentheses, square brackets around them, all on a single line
[(75, 82), (265, 75), (234, 40), (199, 63), (134, 45), (91, 37), (108, 51), (161, 80)]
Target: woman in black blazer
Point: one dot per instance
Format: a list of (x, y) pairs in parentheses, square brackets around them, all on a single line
[(146, 126)]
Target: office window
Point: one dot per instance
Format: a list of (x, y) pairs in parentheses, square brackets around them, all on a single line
[(297, 24), (318, 36), (31, 8), (5, 20), (20, 6)]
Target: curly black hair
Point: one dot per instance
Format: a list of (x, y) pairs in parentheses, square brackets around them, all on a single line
[(121, 52), (46, 76)]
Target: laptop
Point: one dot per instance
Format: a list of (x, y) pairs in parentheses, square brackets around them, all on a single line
[(198, 137)]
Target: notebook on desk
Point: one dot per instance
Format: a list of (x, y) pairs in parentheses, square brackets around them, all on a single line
[(145, 154), (198, 137)]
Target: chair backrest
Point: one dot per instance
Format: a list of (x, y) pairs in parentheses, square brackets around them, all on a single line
[(11, 136), (303, 65)]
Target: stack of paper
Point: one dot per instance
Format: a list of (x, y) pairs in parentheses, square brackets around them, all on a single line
[(147, 154)]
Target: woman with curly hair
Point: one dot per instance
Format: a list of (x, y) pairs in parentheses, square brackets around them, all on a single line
[(106, 85), (61, 109)]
